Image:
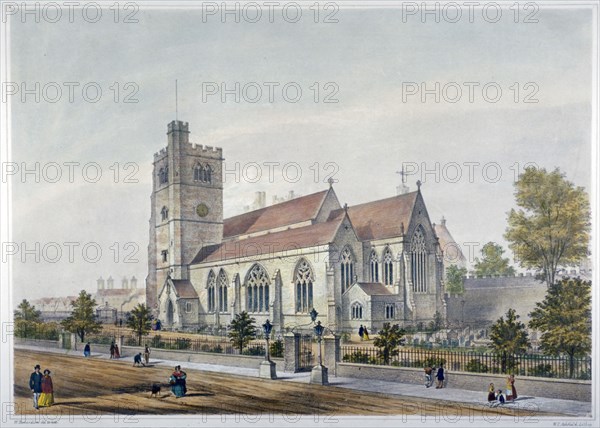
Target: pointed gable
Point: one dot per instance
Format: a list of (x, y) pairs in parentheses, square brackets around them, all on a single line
[(299, 211), (383, 218)]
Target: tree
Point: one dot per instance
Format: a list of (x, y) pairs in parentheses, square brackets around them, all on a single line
[(242, 330), (388, 340), (493, 263), (509, 338), (552, 225), (565, 319), (82, 320), (437, 323), (27, 319), (455, 283), (139, 320)]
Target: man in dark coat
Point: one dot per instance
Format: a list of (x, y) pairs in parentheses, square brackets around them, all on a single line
[(35, 384)]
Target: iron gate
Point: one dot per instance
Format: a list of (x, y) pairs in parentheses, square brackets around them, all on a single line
[(306, 354)]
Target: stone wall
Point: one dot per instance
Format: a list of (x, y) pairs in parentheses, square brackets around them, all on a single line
[(487, 299), (564, 389)]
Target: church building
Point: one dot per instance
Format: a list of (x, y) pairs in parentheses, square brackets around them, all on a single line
[(365, 264)]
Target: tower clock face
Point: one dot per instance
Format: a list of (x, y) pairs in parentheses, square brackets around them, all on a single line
[(202, 210)]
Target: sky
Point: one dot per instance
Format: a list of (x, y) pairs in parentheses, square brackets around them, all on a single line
[(374, 62)]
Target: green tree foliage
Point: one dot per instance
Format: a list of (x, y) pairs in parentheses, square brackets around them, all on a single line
[(552, 225), (565, 319), (242, 330), (492, 262), (82, 320), (388, 340), (139, 321), (509, 338), (455, 283), (27, 319)]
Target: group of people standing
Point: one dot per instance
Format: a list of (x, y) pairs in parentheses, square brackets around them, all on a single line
[(499, 397), (41, 387), (363, 333), (439, 375), (114, 351)]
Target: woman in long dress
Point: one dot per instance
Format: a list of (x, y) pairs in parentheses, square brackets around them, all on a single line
[(47, 396), (491, 393), (147, 355), (117, 353), (511, 384), (177, 382)]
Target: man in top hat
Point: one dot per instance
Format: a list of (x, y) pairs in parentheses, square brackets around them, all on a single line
[(35, 384)]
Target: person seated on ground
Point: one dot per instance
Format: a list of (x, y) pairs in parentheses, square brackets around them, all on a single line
[(500, 397), (137, 360)]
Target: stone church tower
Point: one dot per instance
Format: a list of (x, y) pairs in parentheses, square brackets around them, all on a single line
[(186, 207)]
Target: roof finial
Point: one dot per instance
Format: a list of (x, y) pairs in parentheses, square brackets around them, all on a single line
[(330, 180), (419, 185), (346, 207)]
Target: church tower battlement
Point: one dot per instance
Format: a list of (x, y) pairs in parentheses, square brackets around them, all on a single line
[(186, 206)]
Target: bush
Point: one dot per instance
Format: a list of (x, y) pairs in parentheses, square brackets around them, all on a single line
[(276, 348), (434, 362), (156, 342), (542, 370), (183, 343), (359, 357), (254, 350), (217, 349), (476, 366)]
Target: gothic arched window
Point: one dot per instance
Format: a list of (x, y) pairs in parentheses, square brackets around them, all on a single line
[(257, 289), (356, 311), (347, 269), (390, 311), (418, 261), (222, 285), (210, 286), (198, 172), (203, 173), (374, 265), (304, 279), (163, 175), (164, 213), (388, 267)]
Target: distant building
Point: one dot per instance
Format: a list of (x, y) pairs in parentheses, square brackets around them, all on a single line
[(122, 299)]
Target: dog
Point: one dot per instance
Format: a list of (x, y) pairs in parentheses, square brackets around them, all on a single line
[(155, 390)]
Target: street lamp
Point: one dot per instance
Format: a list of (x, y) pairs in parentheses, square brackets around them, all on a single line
[(267, 327), (319, 332), (318, 373), (267, 369)]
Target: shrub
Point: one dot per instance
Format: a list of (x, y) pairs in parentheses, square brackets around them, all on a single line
[(254, 350), (276, 348), (434, 361), (476, 366), (156, 342), (542, 370), (359, 357)]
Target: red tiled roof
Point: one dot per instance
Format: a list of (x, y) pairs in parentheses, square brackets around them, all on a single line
[(290, 240), (374, 288), (383, 218), (184, 289), (286, 213)]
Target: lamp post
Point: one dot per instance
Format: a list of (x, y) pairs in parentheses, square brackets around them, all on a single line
[(267, 369), (318, 373)]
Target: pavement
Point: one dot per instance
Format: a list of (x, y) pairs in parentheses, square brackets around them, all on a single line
[(529, 404)]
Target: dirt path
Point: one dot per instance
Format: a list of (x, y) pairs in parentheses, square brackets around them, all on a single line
[(104, 386)]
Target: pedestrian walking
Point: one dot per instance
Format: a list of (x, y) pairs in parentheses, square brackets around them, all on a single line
[(112, 349), (361, 332), (178, 382), (117, 353), (440, 377), (428, 377), (87, 350), (366, 333), (147, 355), (35, 384), (47, 396)]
